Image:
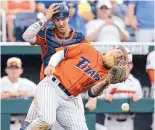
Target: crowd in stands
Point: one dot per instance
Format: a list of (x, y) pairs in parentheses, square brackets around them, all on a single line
[(99, 20)]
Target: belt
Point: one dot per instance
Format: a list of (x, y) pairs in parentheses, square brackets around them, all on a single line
[(61, 86), (119, 120), (12, 122)]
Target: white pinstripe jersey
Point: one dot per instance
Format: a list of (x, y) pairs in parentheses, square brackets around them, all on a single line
[(124, 90), (151, 61)]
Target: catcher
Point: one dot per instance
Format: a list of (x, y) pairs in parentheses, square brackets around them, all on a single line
[(70, 72)]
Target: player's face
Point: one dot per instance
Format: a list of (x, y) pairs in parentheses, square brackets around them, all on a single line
[(104, 12), (61, 25), (116, 53), (14, 72), (72, 9)]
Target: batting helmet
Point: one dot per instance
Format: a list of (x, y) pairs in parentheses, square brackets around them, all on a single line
[(63, 12)]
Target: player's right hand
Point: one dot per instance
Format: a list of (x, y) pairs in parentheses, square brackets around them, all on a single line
[(49, 70), (134, 23), (14, 93), (51, 10), (91, 104), (108, 98)]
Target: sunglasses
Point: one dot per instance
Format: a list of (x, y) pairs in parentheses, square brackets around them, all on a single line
[(71, 6), (13, 67), (104, 7)]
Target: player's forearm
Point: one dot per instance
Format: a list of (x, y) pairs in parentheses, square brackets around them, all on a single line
[(5, 95), (31, 32), (97, 89), (124, 36), (123, 33), (92, 36), (56, 58), (131, 12)]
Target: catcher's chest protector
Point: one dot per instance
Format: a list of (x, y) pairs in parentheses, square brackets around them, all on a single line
[(53, 44)]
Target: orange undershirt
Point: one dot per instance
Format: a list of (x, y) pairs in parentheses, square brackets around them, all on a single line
[(151, 73)]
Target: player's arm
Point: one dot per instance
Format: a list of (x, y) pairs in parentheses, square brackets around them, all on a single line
[(10, 94), (30, 35), (67, 53), (97, 89), (125, 36), (5, 95), (54, 61), (131, 15)]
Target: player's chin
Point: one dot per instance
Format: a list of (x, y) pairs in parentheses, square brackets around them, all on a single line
[(62, 30)]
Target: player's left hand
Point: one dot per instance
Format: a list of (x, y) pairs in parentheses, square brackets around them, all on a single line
[(23, 93), (49, 70), (135, 98)]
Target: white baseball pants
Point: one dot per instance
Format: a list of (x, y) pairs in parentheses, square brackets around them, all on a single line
[(113, 124), (51, 104)]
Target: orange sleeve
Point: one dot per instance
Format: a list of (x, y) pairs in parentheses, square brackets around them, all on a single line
[(40, 38), (151, 73), (39, 41)]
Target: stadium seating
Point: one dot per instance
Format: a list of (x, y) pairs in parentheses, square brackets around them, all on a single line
[(22, 21)]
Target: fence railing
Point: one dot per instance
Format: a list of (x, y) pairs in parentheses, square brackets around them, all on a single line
[(25, 48), (3, 26), (20, 106)]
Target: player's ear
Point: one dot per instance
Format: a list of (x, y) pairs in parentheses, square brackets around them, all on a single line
[(21, 70), (69, 17), (6, 70)]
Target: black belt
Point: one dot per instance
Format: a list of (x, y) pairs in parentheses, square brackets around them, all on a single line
[(12, 122), (61, 86), (119, 120)]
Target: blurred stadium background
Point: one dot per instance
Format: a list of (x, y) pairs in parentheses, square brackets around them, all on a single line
[(135, 29)]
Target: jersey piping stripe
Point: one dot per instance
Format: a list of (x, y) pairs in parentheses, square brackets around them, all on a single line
[(122, 91)]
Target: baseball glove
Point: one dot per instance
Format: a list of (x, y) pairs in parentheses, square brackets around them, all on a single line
[(118, 74)]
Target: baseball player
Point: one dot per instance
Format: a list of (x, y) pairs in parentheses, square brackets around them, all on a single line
[(150, 68), (14, 86), (53, 39), (78, 68), (129, 89)]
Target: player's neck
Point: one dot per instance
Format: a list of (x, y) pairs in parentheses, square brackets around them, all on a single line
[(13, 79)]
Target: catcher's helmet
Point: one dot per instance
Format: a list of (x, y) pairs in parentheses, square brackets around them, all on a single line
[(63, 12)]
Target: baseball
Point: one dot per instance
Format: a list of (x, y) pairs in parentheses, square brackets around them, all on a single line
[(125, 107)]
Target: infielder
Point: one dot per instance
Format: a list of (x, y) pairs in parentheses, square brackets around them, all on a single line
[(150, 68), (129, 89), (52, 40), (78, 68)]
